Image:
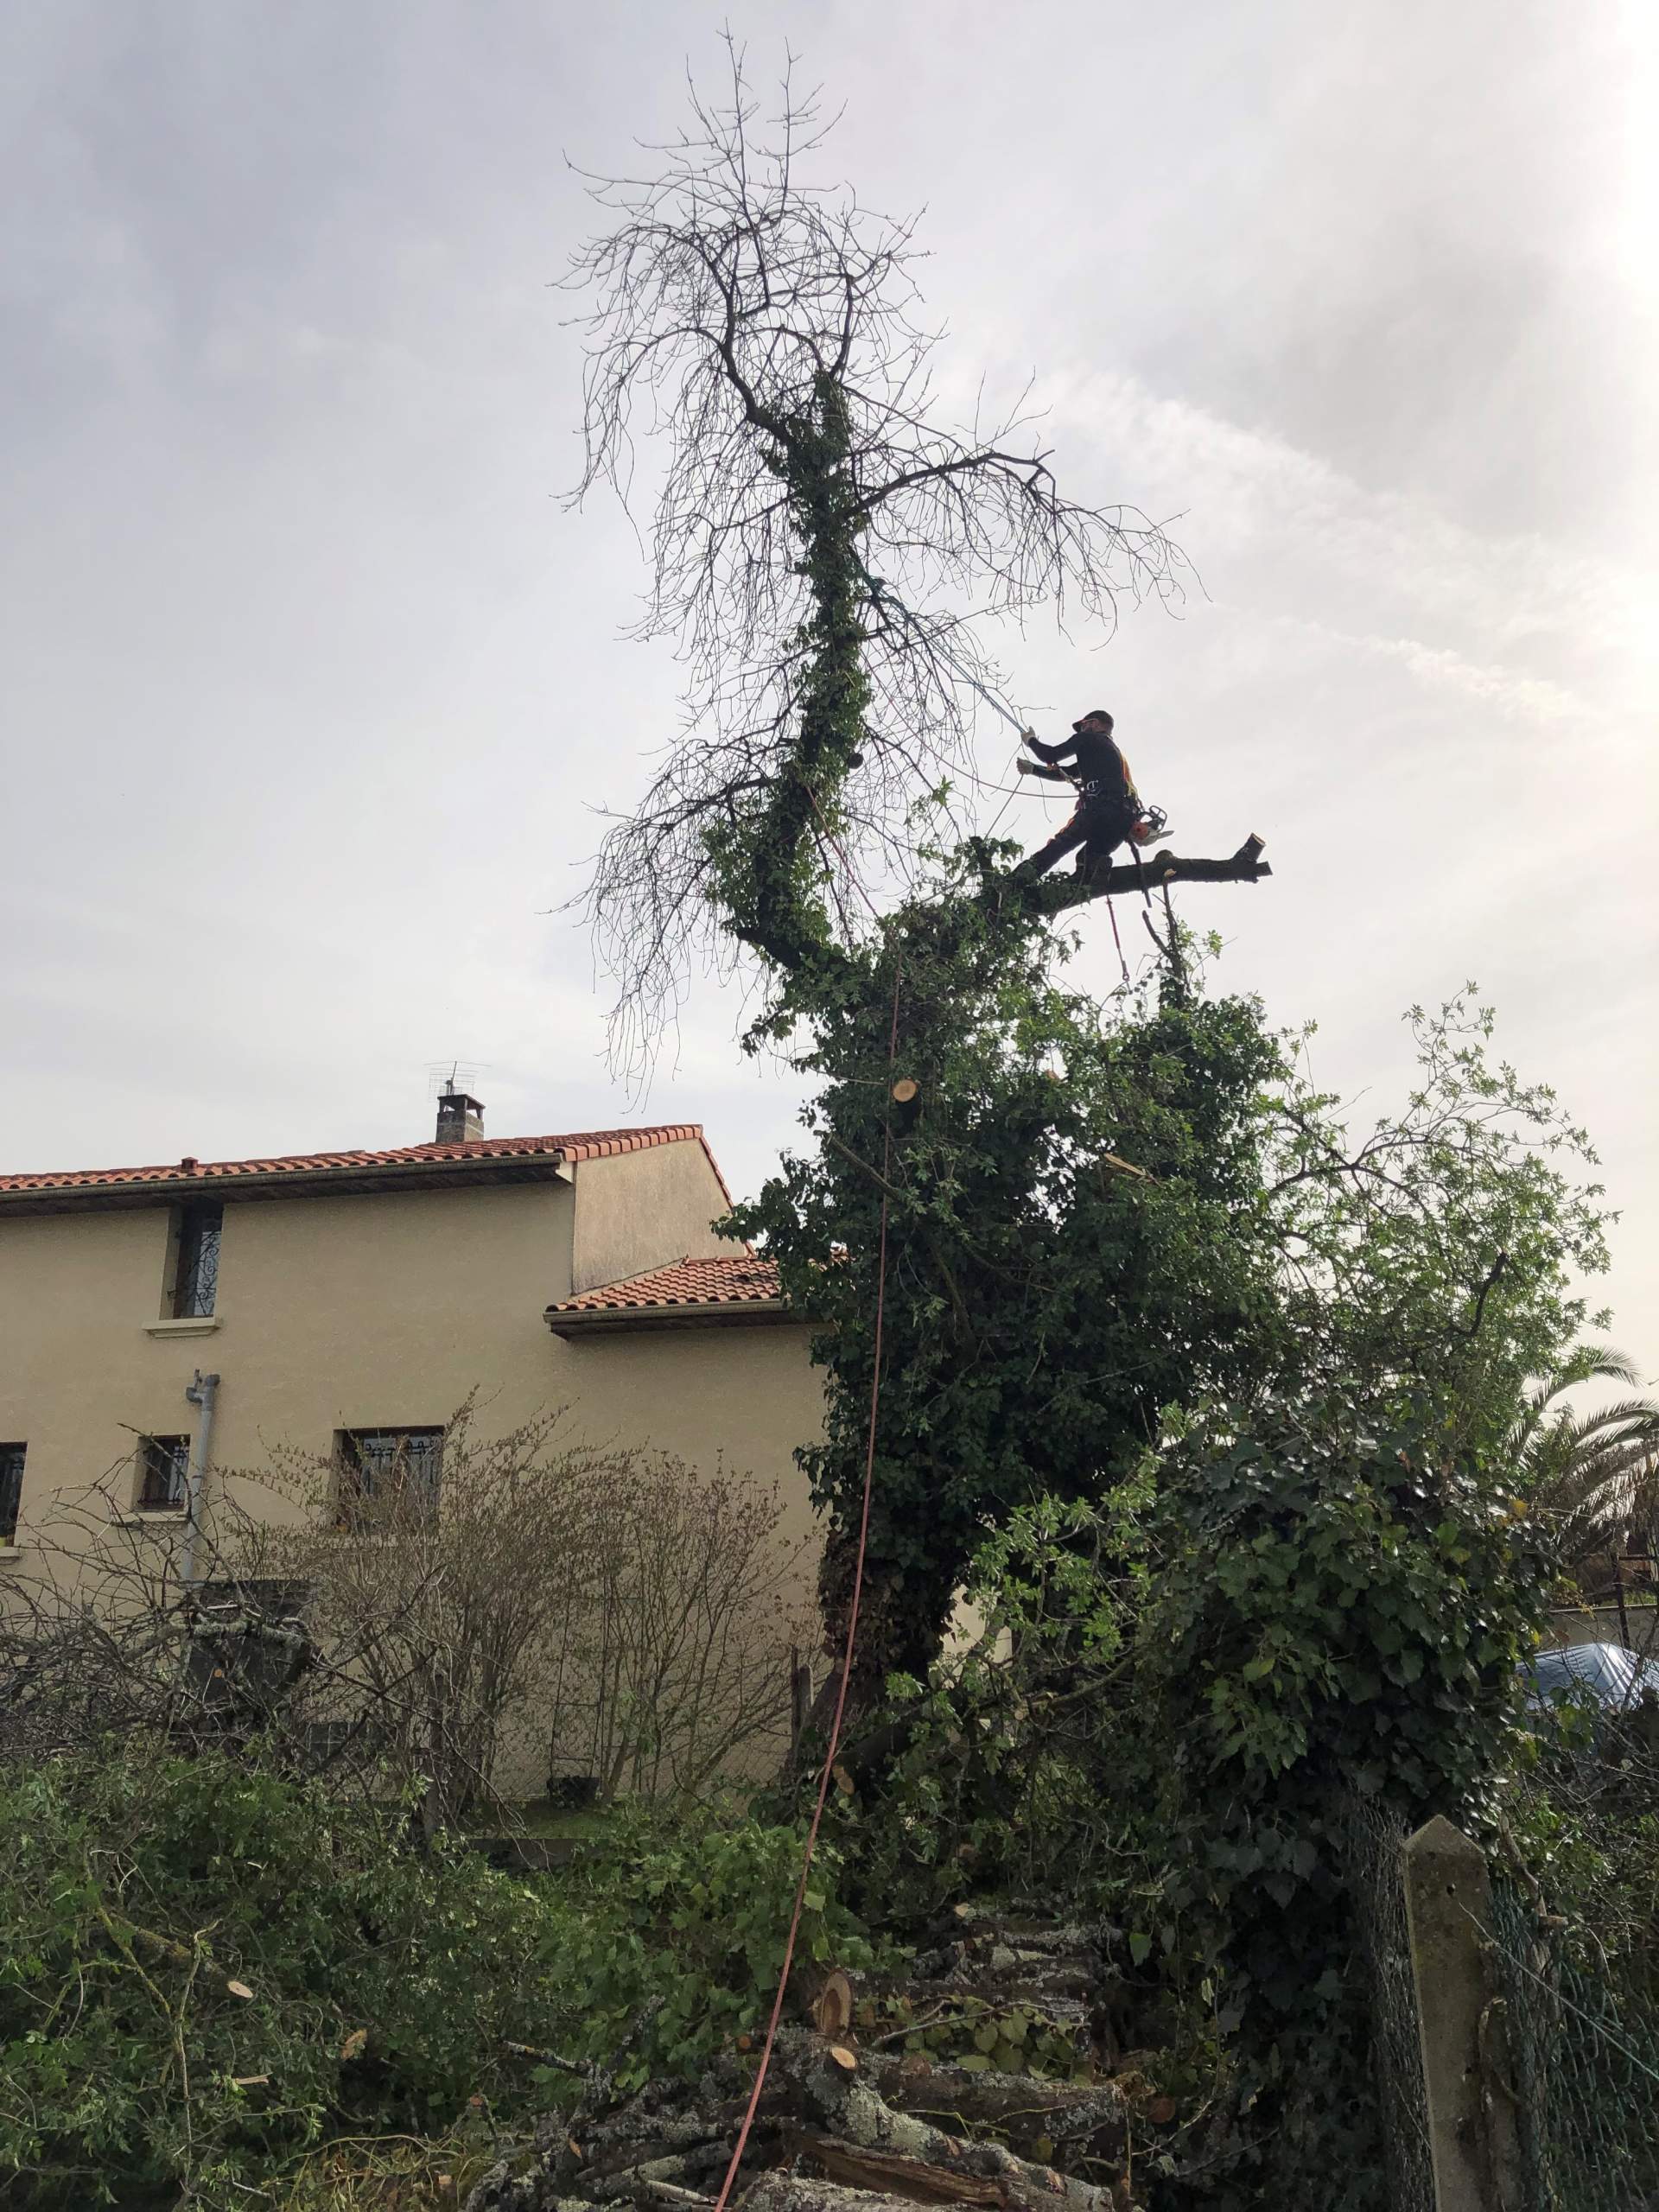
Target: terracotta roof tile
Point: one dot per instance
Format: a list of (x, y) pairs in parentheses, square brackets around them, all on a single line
[(743, 1279), (584, 1144)]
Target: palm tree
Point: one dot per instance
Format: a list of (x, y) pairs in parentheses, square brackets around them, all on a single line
[(1590, 1477)]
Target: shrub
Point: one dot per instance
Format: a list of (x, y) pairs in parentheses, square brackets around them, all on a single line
[(678, 1952), (207, 1969), (140, 1894)]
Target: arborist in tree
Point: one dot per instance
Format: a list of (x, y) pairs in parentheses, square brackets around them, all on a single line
[(1107, 807)]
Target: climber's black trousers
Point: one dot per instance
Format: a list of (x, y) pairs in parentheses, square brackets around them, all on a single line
[(1099, 830)]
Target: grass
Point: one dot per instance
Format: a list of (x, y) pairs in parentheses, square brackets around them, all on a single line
[(543, 1821)]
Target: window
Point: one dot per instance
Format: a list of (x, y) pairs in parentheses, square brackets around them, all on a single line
[(384, 1469), (163, 1474), (195, 1267), (11, 1490)]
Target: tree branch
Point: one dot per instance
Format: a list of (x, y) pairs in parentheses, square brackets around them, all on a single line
[(1054, 894)]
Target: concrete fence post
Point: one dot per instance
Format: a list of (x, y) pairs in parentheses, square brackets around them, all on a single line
[(1474, 2137)]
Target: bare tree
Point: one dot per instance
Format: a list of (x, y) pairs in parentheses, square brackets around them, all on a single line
[(816, 515)]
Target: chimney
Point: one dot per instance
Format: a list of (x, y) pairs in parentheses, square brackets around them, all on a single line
[(461, 1119)]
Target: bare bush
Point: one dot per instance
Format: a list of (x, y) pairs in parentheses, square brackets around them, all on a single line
[(681, 1665), (453, 1622), (124, 1625), (438, 1585)]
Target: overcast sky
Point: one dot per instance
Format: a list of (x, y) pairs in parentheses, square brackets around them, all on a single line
[(309, 678)]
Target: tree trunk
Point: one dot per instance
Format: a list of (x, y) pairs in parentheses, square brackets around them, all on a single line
[(902, 1623)]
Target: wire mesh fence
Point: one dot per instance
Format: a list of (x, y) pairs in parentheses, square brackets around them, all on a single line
[(1582, 2073), (1584, 2043), (1376, 1841)]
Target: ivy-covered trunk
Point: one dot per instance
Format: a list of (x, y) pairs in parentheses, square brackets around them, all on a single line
[(1070, 1245)]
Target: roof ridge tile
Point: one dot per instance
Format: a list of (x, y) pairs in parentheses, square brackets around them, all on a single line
[(573, 1145)]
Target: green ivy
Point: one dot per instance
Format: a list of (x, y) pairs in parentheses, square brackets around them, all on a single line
[(133, 1887), (1344, 1600)]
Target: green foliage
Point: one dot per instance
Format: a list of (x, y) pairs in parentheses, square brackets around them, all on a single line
[(1001, 1781), (133, 1887), (1581, 1832), (1592, 1476), (1332, 1595), (670, 1950), (389, 1984), (1450, 1243), (1074, 1239), (1177, 1705), (1340, 1609), (980, 2036)]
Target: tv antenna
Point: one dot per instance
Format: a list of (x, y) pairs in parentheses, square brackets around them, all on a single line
[(448, 1078)]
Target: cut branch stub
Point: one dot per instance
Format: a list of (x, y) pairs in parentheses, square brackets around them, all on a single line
[(906, 1090), (832, 2008)]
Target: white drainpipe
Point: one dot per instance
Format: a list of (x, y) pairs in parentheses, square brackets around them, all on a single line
[(202, 1391)]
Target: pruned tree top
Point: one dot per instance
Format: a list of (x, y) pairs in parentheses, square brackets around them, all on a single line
[(765, 330)]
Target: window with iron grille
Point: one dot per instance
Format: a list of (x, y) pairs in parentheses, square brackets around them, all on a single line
[(163, 1474), (11, 1489), (384, 1467), (195, 1275)]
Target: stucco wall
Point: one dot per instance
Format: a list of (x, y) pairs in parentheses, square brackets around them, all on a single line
[(747, 1394), (1637, 1632), (642, 1210), (381, 1309), (332, 1313)]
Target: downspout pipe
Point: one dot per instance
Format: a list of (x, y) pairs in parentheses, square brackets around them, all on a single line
[(202, 1391)]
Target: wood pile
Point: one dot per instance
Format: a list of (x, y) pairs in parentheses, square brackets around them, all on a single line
[(858, 2114)]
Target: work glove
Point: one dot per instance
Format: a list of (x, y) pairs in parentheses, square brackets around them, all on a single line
[(1026, 767)]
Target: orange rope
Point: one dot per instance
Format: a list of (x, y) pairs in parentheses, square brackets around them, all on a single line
[(847, 1655)]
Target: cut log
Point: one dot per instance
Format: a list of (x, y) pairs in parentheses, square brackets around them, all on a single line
[(1016, 2105), (785, 2192), (878, 2129), (1125, 1167), (889, 2174), (852, 2112)]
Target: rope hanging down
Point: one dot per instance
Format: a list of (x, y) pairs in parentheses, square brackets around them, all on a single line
[(1118, 942), (834, 1742)]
